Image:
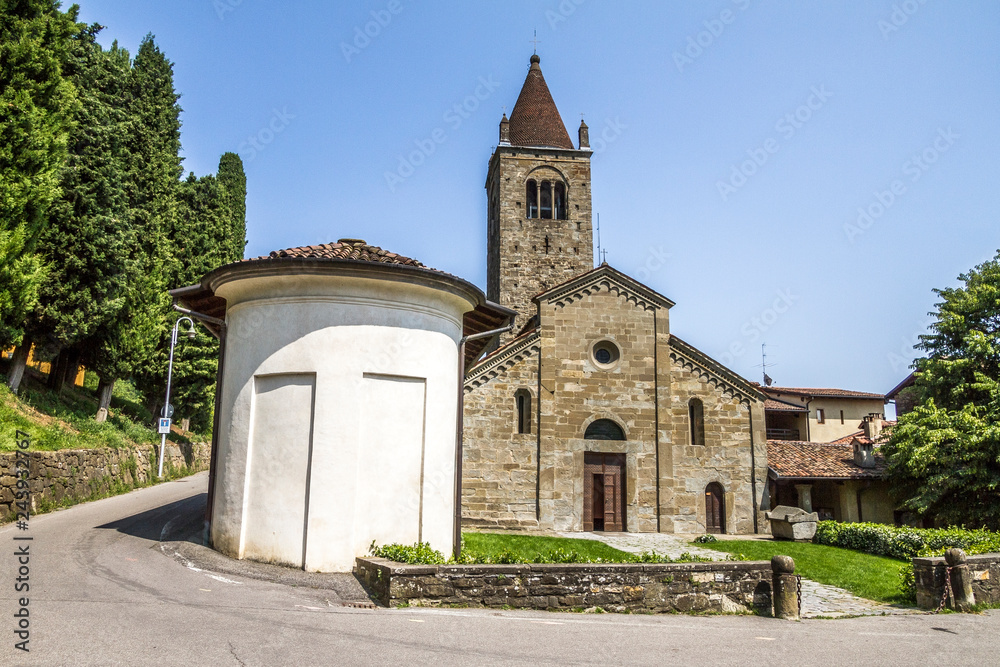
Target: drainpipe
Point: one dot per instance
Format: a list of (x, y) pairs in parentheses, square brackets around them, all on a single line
[(753, 471), (220, 370), (457, 536)]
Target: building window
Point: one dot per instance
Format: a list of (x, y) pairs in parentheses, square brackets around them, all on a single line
[(546, 201), (560, 201), (522, 399), (820, 416), (696, 414), (531, 192), (604, 429), (605, 354)]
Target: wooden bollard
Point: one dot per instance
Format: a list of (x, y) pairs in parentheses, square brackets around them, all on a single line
[(961, 580), (785, 588)]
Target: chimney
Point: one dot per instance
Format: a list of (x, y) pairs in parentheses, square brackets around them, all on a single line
[(864, 454), (504, 131), (584, 135), (872, 426)]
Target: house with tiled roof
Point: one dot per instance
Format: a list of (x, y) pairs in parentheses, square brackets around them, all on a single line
[(841, 480), (592, 414), (817, 414)]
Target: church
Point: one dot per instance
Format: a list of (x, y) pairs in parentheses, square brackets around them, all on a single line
[(591, 415)]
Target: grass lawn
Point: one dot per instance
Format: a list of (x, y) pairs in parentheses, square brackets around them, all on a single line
[(530, 548), (867, 576)]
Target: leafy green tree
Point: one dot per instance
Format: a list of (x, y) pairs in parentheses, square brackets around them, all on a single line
[(234, 181), (943, 458), (37, 104)]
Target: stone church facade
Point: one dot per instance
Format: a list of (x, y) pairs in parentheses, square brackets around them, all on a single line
[(593, 416)]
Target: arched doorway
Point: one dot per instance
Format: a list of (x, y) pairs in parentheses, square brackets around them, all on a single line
[(604, 481), (715, 508)]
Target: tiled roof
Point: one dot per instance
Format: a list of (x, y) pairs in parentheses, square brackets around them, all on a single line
[(781, 406), (535, 120), (821, 393), (860, 435), (810, 460), (345, 249)]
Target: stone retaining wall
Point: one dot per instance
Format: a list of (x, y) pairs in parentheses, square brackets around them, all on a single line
[(636, 587), (78, 473), (928, 574)]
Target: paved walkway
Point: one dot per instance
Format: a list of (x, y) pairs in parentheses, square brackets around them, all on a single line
[(817, 599)]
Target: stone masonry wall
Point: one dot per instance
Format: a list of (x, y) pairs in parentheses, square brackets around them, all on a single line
[(80, 472), (575, 392), (499, 465), (928, 574), (672, 587), (725, 457)]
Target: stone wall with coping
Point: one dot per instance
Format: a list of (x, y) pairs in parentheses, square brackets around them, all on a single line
[(730, 587), (928, 574), (78, 473)]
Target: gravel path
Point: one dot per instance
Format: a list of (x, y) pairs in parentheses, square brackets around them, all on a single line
[(817, 599)]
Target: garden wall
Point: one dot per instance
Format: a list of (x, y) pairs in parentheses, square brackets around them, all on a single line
[(928, 574), (79, 473), (638, 587)]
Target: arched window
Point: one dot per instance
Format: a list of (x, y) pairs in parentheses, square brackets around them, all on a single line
[(604, 429), (546, 203), (560, 201), (531, 193), (696, 415), (522, 399)]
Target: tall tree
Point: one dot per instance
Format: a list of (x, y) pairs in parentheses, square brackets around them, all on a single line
[(37, 104), (234, 181), (88, 236), (943, 458)]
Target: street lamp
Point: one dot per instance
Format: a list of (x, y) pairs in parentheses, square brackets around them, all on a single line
[(170, 372)]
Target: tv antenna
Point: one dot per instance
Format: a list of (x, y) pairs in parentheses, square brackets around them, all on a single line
[(768, 381)]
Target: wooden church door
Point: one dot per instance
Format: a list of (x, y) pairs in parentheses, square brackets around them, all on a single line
[(715, 509), (604, 492)]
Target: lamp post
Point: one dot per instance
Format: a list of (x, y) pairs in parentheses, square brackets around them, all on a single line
[(170, 372)]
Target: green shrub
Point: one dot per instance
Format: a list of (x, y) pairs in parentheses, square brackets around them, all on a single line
[(422, 554), (419, 553), (706, 539), (904, 543)]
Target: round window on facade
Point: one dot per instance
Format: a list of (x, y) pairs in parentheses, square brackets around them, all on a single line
[(605, 354)]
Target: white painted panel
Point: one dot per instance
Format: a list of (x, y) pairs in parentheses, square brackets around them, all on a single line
[(278, 475), (390, 460)]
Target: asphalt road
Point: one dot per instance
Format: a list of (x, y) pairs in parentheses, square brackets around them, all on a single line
[(105, 590)]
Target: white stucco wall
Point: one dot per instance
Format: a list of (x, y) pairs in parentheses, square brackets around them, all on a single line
[(338, 417)]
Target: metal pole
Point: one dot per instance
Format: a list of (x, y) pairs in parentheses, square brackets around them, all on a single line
[(170, 372)]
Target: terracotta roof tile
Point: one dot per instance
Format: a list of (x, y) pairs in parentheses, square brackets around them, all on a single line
[(782, 406), (807, 460), (823, 393), (535, 120), (345, 249)]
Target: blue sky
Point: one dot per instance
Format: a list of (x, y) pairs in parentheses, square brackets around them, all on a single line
[(797, 174)]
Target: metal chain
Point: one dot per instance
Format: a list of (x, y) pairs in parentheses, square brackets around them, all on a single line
[(947, 591), (798, 591)]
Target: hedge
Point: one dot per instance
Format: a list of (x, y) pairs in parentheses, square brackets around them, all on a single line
[(904, 543)]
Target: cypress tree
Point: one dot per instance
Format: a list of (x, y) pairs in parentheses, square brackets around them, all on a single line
[(234, 181), (37, 104)]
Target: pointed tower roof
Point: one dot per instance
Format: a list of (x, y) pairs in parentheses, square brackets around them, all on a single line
[(535, 120)]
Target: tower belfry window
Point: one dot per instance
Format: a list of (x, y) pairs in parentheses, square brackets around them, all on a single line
[(559, 197), (546, 203), (531, 192)]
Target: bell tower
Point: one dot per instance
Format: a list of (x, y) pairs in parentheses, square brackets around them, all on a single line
[(539, 202)]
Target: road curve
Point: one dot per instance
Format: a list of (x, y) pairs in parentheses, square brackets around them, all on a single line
[(103, 592)]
